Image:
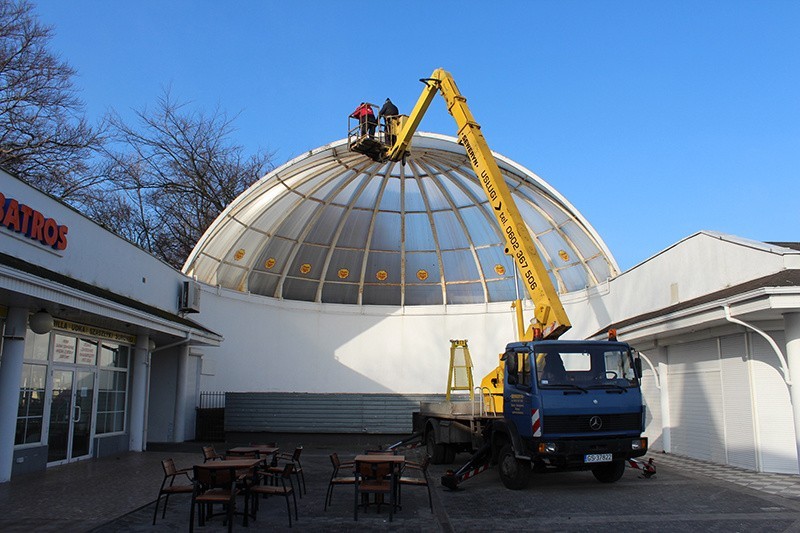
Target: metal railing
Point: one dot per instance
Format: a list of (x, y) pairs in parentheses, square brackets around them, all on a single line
[(212, 400), (210, 417)]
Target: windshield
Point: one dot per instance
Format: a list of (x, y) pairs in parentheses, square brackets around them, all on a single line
[(585, 366)]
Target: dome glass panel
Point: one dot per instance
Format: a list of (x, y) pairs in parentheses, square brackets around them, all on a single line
[(333, 226)]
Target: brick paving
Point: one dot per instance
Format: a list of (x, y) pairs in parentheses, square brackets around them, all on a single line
[(116, 495)]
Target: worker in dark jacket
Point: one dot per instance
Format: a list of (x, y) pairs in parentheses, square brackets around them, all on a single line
[(389, 113), (388, 109)]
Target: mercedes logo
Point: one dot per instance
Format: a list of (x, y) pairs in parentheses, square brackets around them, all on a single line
[(595, 423)]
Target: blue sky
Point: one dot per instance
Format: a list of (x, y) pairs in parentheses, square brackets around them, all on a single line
[(654, 119)]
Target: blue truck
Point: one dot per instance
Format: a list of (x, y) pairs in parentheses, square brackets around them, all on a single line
[(567, 405)]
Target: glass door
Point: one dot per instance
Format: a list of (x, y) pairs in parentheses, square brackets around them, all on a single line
[(71, 415)]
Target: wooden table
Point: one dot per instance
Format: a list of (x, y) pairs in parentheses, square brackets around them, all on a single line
[(380, 458), (243, 466), (240, 463), (397, 462), (261, 450)]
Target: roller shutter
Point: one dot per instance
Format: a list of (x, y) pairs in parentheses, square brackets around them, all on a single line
[(777, 449), (696, 405), (738, 400)]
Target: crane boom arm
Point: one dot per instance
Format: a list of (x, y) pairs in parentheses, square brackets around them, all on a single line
[(549, 313)]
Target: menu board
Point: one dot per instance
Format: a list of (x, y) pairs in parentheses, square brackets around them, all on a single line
[(87, 352), (64, 349)]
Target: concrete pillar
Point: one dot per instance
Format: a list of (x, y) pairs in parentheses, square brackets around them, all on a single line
[(792, 327), (179, 418), (10, 375), (666, 421), (138, 417)]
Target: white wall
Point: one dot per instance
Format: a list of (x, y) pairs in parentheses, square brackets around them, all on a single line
[(698, 265), (277, 345)]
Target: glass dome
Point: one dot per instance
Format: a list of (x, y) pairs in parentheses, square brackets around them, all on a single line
[(333, 226)]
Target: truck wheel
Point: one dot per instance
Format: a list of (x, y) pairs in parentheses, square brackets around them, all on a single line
[(513, 473), (435, 451), (609, 472)]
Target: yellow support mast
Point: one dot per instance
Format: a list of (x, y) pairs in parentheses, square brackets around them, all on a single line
[(550, 318)]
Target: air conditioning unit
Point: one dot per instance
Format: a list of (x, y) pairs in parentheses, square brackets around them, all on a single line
[(189, 301)]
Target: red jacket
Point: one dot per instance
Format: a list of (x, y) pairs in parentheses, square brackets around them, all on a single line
[(364, 110)]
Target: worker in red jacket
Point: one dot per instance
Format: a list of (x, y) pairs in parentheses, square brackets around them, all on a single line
[(366, 117)]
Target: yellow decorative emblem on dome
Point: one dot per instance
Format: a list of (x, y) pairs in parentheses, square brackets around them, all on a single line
[(269, 263), (563, 255), (382, 275), (500, 269), (343, 273), (422, 275), (239, 254), (305, 268)]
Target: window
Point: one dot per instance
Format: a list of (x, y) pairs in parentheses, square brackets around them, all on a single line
[(30, 411), (586, 366), (113, 390), (526, 369), (30, 414)]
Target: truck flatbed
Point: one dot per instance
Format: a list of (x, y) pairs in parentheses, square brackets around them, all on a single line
[(457, 410)]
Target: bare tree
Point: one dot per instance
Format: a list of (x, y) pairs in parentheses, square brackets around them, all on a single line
[(169, 176), (44, 137)]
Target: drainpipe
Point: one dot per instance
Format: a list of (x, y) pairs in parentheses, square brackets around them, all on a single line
[(655, 372), (772, 343), (661, 384), (176, 343), (792, 329)]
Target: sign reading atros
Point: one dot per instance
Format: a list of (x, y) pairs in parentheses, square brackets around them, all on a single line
[(31, 223)]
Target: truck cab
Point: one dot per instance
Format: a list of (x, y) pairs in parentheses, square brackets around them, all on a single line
[(570, 405)]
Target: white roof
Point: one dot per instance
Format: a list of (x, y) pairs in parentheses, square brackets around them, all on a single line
[(334, 226)]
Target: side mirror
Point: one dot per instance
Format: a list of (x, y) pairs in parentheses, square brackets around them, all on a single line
[(637, 363), (510, 359)]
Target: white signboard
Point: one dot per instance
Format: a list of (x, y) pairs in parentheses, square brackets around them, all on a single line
[(87, 352), (64, 349)]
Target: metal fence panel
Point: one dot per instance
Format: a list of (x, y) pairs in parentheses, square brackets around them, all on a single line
[(288, 412)]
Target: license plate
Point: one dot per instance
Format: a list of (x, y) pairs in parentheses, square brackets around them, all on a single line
[(598, 458)]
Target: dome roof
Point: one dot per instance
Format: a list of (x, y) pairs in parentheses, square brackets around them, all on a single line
[(336, 227)]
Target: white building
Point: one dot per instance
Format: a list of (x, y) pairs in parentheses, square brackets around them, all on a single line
[(108, 320), (338, 283)]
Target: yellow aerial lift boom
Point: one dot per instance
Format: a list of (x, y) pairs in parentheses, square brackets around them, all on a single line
[(550, 319), (530, 431)]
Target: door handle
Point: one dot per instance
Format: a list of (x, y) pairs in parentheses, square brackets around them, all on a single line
[(78, 412)]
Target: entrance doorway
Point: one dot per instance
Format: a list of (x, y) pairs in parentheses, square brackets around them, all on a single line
[(71, 415)]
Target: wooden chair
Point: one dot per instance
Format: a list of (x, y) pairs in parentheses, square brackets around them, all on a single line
[(214, 485), (420, 478), (169, 487), (210, 454), (374, 478), (294, 459), (275, 489), (337, 478)]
